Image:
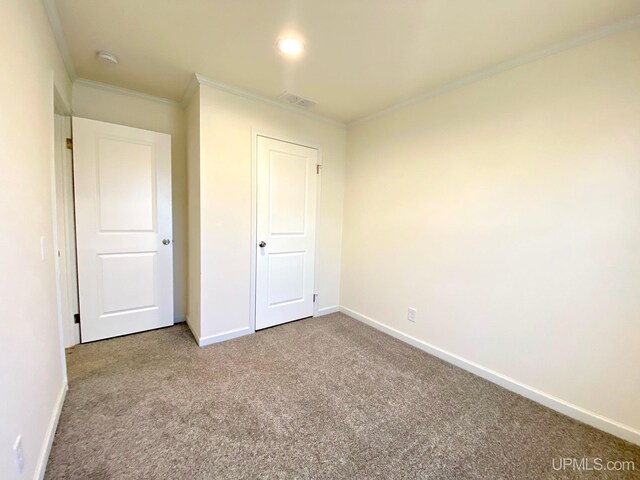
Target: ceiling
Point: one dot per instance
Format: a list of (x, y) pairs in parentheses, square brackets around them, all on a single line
[(361, 55)]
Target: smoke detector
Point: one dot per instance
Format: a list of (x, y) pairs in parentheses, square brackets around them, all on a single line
[(107, 57), (296, 100)]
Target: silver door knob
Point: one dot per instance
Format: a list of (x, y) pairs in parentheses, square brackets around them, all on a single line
[(262, 244), (166, 241)]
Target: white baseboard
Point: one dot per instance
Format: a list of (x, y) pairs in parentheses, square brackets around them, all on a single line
[(41, 466), (221, 337), (590, 418), (327, 310)]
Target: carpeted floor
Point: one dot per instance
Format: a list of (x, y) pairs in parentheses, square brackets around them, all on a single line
[(323, 398)]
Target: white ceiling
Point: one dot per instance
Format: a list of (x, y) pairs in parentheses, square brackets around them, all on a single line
[(361, 55)]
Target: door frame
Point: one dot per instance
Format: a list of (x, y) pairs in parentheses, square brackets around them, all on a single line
[(255, 133), (64, 238)]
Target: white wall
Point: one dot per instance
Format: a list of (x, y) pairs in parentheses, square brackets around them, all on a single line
[(226, 123), (508, 213), (193, 182), (111, 105), (32, 372)]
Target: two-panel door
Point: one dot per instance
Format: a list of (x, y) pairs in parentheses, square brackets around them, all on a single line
[(122, 182), (286, 231)]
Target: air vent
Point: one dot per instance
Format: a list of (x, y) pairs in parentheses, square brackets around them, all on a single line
[(292, 99)]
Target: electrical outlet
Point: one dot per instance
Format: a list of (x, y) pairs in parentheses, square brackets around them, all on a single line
[(411, 314), (17, 449)]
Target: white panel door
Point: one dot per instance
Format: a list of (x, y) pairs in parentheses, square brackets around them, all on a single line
[(122, 178), (286, 231)]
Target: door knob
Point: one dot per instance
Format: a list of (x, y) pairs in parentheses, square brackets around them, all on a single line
[(166, 241), (262, 244)]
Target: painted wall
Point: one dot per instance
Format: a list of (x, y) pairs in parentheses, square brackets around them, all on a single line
[(226, 122), (193, 189), (110, 105), (508, 213), (32, 369)]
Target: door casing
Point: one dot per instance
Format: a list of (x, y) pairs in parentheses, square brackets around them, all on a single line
[(64, 233), (254, 215)]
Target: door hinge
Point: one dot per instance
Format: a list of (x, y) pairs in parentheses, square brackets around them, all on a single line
[(318, 168), (70, 144), (76, 318), (315, 295)]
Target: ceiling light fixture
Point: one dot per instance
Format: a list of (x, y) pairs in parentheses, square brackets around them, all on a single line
[(290, 46), (107, 57)]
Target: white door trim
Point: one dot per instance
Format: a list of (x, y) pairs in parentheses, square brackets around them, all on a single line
[(64, 238), (254, 216)]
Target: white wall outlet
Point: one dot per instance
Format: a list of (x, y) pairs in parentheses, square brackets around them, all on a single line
[(411, 314), (17, 450)]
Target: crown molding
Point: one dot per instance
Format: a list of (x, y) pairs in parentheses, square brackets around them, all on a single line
[(593, 35), (199, 79), (58, 34), (124, 91)]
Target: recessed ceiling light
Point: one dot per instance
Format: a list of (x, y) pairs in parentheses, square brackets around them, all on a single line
[(290, 46), (107, 57)]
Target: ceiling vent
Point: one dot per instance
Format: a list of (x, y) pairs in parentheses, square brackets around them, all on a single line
[(292, 99)]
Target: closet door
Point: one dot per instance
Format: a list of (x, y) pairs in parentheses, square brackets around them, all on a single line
[(286, 231)]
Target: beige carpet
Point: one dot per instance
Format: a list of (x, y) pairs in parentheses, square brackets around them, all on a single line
[(320, 398)]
